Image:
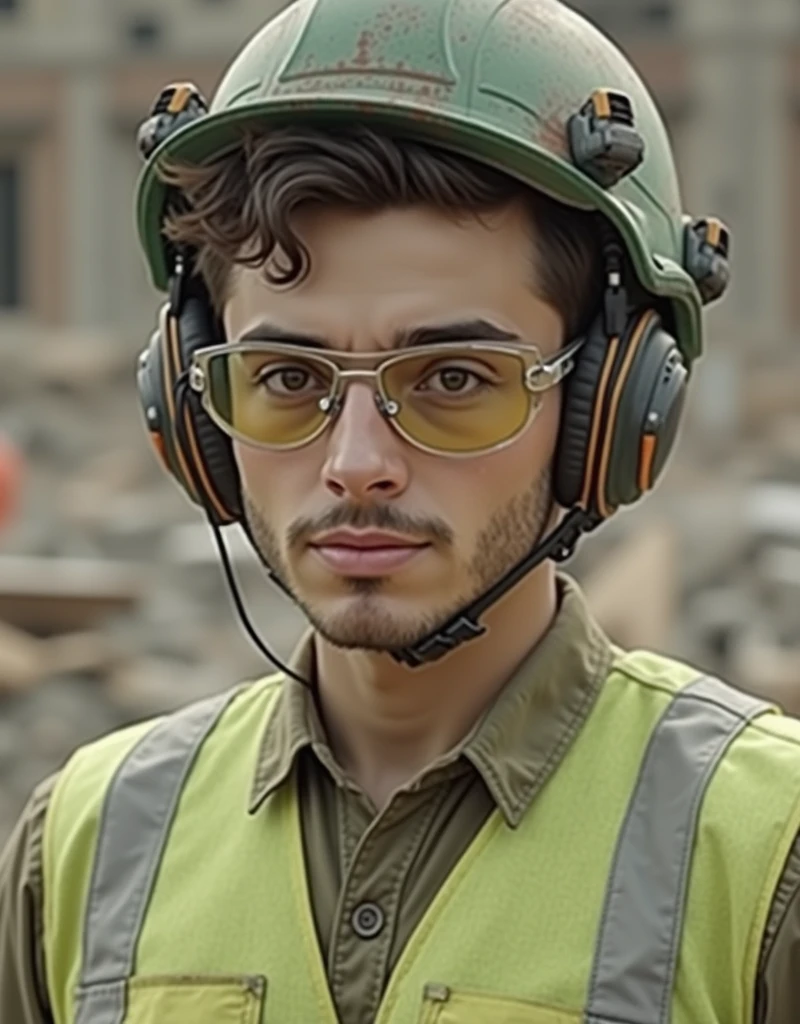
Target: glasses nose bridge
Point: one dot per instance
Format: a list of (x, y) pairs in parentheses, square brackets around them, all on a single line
[(343, 377), (388, 408)]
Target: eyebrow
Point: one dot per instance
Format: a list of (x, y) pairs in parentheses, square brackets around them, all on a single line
[(466, 330)]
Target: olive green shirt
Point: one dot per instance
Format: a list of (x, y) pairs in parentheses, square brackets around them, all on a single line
[(400, 857)]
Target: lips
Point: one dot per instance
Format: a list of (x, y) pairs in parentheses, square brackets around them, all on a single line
[(365, 554)]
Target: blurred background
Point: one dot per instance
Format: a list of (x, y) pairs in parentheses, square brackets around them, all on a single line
[(112, 605)]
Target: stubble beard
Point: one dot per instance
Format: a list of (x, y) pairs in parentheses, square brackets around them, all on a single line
[(509, 535)]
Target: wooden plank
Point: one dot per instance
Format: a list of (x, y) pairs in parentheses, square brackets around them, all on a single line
[(21, 662), (58, 595)]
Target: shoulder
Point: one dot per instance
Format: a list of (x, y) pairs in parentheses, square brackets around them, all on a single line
[(764, 746), (78, 791)]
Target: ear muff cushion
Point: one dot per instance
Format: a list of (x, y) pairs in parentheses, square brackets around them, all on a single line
[(576, 417), (217, 455), (170, 369), (211, 449)]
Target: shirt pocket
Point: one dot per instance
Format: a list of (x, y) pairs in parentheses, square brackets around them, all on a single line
[(444, 1005), (195, 999)]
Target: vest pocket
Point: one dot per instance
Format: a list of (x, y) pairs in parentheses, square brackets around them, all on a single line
[(195, 999), (444, 1005)]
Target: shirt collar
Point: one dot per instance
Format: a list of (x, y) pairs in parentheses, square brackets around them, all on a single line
[(517, 743)]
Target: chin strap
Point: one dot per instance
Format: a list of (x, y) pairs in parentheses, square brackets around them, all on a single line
[(464, 625)]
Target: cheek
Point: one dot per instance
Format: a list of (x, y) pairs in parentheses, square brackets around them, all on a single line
[(282, 485), (514, 468), (259, 471), (470, 491), (250, 464)]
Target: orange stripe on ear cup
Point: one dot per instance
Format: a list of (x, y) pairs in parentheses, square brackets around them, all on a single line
[(613, 345), (171, 363), (157, 441), (647, 454), (619, 384)]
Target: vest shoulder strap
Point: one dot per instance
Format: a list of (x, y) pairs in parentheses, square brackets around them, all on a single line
[(137, 815), (636, 954)]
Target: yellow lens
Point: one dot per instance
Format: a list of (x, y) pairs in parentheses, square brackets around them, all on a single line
[(463, 400), (270, 398)]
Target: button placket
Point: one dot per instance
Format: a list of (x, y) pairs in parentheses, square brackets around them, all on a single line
[(365, 924)]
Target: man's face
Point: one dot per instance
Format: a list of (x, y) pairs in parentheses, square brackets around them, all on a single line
[(373, 276)]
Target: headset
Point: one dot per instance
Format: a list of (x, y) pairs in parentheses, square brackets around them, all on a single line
[(621, 410)]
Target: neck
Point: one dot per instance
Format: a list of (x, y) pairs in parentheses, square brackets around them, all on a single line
[(387, 722)]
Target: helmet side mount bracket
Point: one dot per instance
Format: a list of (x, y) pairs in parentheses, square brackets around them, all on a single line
[(706, 257), (176, 105), (603, 139)]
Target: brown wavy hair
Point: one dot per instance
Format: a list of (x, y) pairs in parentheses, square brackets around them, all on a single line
[(239, 208)]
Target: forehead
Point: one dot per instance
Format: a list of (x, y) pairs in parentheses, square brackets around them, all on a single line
[(374, 275)]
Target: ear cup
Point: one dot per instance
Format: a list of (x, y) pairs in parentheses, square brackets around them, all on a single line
[(149, 376), (622, 408), (196, 453), (581, 399), (644, 429), (210, 450)]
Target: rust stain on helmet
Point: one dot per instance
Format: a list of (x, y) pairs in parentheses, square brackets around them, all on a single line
[(494, 79)]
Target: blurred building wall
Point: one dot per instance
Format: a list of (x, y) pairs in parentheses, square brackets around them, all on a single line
[(76, 77)]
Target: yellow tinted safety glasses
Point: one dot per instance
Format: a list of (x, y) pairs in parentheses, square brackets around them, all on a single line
[(449, 398)]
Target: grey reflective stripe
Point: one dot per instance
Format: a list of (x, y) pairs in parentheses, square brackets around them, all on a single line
[(137, 815), (633, 975)]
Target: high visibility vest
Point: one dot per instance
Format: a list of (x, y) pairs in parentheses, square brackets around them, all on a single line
[(636, 888)]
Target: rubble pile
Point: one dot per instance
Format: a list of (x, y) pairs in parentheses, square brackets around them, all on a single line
[(113, 606)]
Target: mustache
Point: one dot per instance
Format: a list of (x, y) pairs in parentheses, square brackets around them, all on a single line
[(366, 517)]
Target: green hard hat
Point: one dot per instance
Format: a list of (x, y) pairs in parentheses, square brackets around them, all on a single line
[(500, 81)]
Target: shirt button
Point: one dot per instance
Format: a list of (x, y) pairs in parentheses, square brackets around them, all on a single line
[(368, 920)]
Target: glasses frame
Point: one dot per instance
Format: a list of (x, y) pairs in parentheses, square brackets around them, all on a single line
[(539, 376)]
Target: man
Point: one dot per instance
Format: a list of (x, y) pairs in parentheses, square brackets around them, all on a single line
[(432, 307)]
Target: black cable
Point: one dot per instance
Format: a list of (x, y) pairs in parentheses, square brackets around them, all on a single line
[(182, 399), (464, 625)]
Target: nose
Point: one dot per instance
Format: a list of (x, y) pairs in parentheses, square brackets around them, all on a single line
[(365, 458)]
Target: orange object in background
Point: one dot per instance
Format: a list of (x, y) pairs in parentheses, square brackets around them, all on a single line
[(11, 471)]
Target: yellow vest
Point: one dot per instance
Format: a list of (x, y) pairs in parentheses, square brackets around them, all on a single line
[(636, 887)]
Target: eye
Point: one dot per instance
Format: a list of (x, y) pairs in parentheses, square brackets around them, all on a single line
[(454, 380), (289, 380)]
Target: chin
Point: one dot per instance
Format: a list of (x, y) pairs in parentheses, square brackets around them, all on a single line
[(369, 622)]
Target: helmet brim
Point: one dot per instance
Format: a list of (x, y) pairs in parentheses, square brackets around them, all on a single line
[(217, 132)]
